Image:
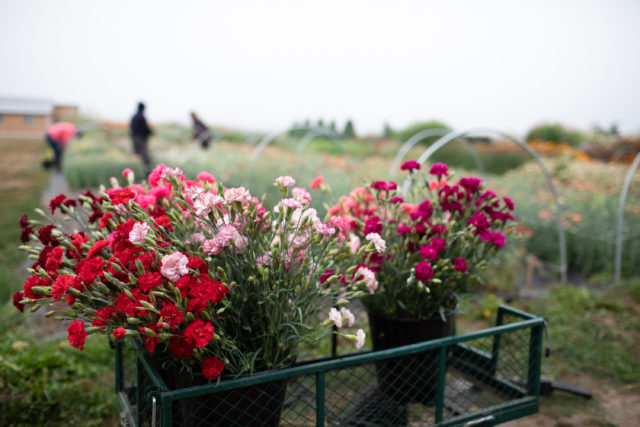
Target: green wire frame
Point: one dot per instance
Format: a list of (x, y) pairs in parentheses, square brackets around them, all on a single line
[(479, 365)]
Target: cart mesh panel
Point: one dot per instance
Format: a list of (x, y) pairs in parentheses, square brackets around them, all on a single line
[(483, 373)]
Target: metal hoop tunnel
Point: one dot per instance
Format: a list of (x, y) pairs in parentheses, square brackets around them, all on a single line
[(268, 139), (313, 134), (453, 135), (621, 204), (422, 135)]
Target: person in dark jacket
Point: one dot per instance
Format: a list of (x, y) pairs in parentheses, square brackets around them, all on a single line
[(140, 132), (201, 133)]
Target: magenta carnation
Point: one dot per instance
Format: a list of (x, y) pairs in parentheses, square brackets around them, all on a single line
[(423, 271), (439, 169), (410, 165)]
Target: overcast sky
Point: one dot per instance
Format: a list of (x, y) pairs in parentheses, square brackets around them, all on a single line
[(262, 65)]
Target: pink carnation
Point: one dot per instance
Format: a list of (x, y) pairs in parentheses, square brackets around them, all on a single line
[(207, 177), (167, 173), (128, 174), (174, 266), (213, 246), (439, 169), (460, 265), (239, 194), (423, 271), (290, 203), (285, 181), (301, 193), (410, 165), (317, 182)]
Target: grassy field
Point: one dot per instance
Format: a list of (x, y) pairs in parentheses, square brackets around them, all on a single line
[(594, 329)]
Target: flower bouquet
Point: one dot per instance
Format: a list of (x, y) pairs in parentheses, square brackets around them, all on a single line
[(204, 277), (430, 246)]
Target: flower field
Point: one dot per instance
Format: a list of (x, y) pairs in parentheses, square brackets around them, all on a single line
[(593, 346)]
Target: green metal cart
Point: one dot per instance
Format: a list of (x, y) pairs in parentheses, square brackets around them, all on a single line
[(485, 377)]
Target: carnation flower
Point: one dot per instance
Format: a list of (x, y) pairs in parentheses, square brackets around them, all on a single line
[(317, 182), (378, 242), (284, 181), (348, 316), (410, 165), (336, 317), (290, 203), (76, 334), (370, 279), (139, 232), (174, 266), (200, 332), (168, 173), (119, 333), (300, 193), (423, 271), (212, 367), (360, 338), (239, 194), (206, 177), (460, 265), (439, 169)]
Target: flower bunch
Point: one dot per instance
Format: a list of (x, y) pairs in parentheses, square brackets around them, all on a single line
[(204, 276), (429, 248)]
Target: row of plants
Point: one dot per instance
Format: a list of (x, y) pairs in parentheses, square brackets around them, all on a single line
[(43, 381)]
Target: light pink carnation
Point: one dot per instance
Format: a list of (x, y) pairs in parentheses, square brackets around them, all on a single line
[(239, 194), (167, 172), (336, 317), (324, 229), (213, 246), (139, 232), (264, 259), (348, 316), (353, 243), (285, 181), (360, 335), (301, 193), (378, 241), (370, 278), (290, 203), (198, 237), (205, 202), (174, 266)]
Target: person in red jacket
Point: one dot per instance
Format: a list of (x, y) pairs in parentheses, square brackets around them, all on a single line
[(58, 137)]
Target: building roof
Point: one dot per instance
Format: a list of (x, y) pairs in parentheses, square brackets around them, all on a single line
[(25, 106)]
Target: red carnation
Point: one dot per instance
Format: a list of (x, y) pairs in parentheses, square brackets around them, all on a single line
[(200, 332), (171, 315), (148, 281), (119, 333), (97, 247), (52, 264), (60, 286), (56, 202), (88, 269), (123, 196), (212, 367), (181, 347), (197, 263), (76, 334), (44, 234), (104, 220), (17, 297)]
